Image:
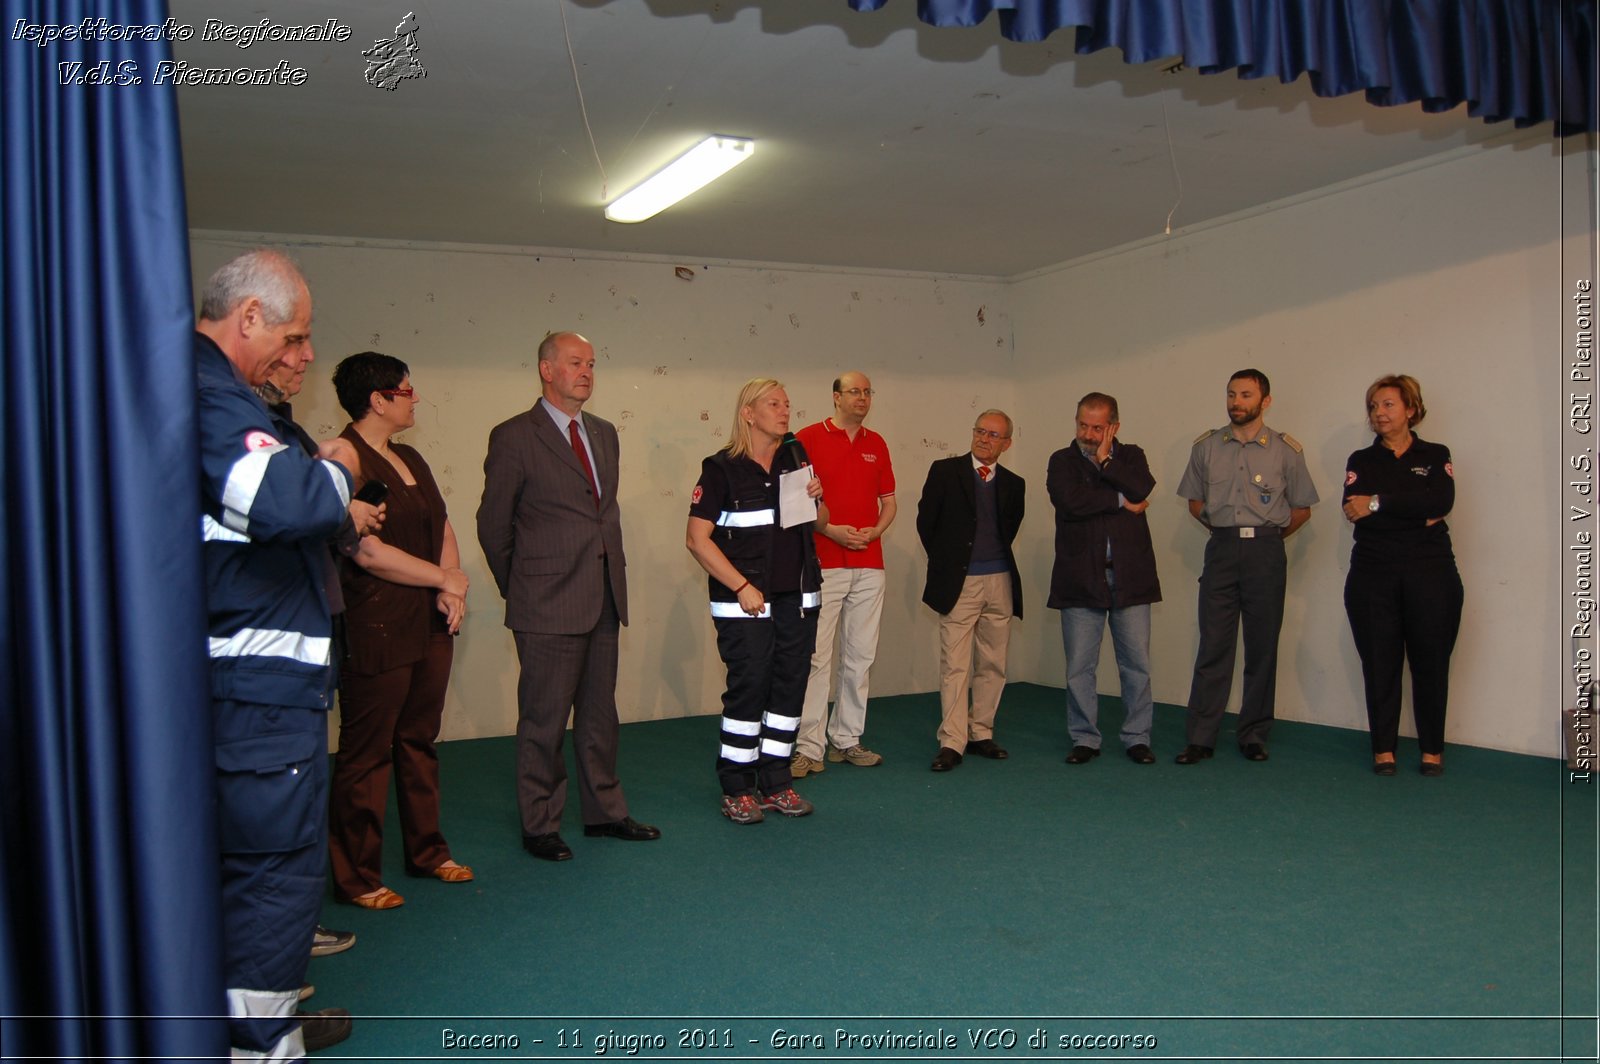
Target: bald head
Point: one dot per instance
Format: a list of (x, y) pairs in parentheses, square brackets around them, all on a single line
[(852, 399), (566, 369), (554, 342)]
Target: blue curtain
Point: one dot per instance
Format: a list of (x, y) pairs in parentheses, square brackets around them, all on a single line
[(109, 924), (1530, 61)]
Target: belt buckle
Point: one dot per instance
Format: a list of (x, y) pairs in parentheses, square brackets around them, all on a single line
[(1247, 533)]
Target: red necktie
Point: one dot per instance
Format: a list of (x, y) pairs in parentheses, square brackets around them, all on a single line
[(583, 459), (983, 473)]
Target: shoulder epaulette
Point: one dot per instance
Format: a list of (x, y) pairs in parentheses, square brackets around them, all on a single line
[(1294, 444), (1202, 436)]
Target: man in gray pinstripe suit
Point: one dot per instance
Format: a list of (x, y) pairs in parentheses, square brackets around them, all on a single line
[(551, 531)]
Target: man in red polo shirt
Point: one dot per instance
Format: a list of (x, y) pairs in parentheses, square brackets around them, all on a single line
[(857, 478)]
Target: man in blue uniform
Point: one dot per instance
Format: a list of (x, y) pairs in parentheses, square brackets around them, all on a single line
[(269, 509), (1249, 487)]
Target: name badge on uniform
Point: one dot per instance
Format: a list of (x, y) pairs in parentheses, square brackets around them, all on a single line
[(1247, 533)]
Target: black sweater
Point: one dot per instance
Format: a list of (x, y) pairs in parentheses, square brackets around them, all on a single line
[(1411, 488)]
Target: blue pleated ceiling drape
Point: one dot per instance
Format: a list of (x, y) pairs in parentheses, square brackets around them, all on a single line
[(109, 922), (1527, 61)]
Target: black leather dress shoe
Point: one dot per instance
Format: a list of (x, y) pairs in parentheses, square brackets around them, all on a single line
[(1253, 752), (945, 760), (988, 748), (549, 847), (1082, 755), (626, 828), (1193, 755), (1140, 754)]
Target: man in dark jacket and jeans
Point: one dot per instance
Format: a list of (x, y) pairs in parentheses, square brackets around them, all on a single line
[(1105, 570)]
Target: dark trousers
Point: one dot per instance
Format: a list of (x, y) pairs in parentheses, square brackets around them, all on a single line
[(272, 794), (388, 721), (769, 662), (1401, 613), (1243, 581), (562, 674)]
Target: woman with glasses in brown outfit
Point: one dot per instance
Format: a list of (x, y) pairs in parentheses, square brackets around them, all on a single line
[(397, 663)]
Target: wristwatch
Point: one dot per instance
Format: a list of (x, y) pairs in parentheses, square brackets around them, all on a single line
[(1372, 505)]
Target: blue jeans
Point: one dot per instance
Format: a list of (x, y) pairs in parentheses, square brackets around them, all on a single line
[(1081, 629)]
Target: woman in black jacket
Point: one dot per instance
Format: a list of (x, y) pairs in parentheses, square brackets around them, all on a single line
[(1403, 594), (765, 589)]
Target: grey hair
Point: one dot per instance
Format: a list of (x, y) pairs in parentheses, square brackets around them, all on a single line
[(268, 275), (1010, 425)]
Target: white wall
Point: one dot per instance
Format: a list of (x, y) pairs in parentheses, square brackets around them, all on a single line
[(672, 355), (1450, 273)]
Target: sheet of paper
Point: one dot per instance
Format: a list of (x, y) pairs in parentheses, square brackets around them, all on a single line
[(794, 505)]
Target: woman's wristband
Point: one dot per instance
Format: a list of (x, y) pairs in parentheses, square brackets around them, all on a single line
[(741, 587)]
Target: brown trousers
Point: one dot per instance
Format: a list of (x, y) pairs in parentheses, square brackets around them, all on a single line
[(388, 720)]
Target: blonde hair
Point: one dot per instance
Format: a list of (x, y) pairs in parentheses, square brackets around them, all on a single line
[(754, 389), (1410, 394)]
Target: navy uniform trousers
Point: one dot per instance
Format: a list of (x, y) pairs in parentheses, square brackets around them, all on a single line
[(769, 663), (1243, 581), (272, 802), (1402, 612)]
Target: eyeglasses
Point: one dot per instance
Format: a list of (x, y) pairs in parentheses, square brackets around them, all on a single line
[(989, 434), (390, 393), (857, 393)]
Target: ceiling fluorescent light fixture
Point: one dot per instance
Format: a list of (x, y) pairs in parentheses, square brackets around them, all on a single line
[(684, 176)]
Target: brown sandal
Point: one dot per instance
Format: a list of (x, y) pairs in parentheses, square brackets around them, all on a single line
[(453, 873), (382, 898)]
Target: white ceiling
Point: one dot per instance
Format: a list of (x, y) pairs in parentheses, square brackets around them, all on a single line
[(881, 142)]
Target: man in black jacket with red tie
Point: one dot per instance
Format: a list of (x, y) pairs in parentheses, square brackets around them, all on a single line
[(967, 519)]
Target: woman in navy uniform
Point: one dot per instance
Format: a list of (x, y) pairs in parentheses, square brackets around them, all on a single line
[(1403, 594), (765, 587)]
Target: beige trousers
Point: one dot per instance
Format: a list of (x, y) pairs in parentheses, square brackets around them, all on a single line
[(972, 659)]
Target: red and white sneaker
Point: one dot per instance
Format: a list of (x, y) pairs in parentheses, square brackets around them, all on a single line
[(742, 808), (786, 802)]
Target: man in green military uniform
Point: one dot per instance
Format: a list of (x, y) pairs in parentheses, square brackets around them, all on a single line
[(1249, 487)]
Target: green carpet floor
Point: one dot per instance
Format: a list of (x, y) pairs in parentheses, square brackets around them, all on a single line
[(1302, 908)]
